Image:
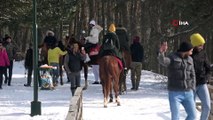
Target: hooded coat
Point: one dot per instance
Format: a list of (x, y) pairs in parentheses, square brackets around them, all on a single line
[(94, 34)]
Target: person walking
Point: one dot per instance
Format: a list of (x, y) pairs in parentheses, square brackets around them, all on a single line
[(202, 72), (11, 52), (72, 64), (4, 62), (137, 54), (181, 79), (28, 64)]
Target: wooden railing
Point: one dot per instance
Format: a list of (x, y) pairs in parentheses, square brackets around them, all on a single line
[(76, 106)]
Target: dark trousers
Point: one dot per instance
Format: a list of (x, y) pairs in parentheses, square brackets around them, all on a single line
[(9, 78), (75, 79), (2, 71), (88, 47), (29, 75)]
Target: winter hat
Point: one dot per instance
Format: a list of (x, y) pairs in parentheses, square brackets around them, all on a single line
[(136, 39), (185, 46), (197, 39), (92, 22), (112, 28)]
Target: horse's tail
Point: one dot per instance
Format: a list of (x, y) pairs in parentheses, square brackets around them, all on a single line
[(107, 75)]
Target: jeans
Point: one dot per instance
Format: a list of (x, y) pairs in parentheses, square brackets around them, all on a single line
[(55, 72), (186, 98), (203, 94)]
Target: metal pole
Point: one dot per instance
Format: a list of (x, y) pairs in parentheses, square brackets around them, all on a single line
[(35, 104)]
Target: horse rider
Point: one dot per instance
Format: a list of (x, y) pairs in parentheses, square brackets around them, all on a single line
[(123, 37), (93, 38), (110, 44)]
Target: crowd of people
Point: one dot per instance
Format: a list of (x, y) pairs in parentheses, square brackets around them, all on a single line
[(188, 67)]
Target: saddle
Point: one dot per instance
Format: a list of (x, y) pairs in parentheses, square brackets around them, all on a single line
[(120, 64), (94, 50)]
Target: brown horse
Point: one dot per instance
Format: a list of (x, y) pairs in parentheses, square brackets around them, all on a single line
[(109, 75), (122, 82)]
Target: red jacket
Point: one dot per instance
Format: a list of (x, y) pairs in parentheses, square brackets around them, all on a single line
[(4, 60)]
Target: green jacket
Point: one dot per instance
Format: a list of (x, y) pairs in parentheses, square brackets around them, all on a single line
[(110, 45)]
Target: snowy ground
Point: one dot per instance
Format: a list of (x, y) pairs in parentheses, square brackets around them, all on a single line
[(150, 102)]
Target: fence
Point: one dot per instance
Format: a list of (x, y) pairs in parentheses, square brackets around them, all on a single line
[(76, 106)]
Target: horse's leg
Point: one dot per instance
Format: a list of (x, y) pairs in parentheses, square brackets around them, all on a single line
[(107, 91), (124, 82), (110, 95), (85, 76), (105, 95), (121, 83), (116, 90)]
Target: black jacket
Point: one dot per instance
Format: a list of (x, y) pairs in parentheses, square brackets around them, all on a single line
[(137, 52), (72, 62), (29, 58), (123, 38), (202, 67)]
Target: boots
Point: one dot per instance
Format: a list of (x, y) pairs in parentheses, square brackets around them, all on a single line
[(133, 84), (137, 84), (73, 91)]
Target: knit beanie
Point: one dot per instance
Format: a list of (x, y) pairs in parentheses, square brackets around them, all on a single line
[(112, 28), (185, 46), (197, 39)]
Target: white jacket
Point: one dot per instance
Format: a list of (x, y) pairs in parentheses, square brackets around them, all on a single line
[(94, 34)]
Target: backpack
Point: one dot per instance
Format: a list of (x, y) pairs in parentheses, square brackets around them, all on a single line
[(108, 43)]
